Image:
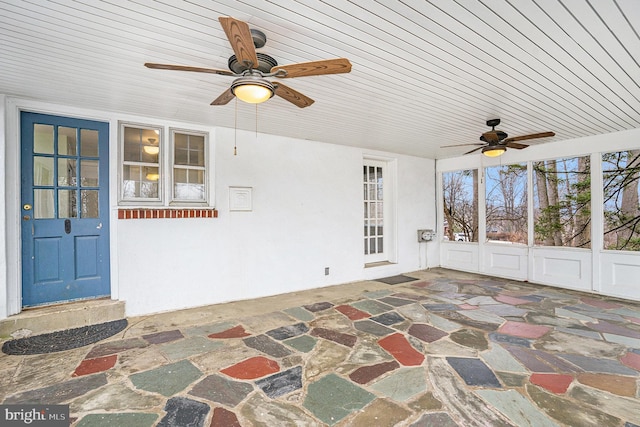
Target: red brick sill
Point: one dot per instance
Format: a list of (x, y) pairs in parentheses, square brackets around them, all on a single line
[(145, 213)]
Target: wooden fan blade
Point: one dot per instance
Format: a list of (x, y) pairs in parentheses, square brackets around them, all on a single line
[(531, 136), (292, 95), (462, 145), (239, 36), (516, 145), (475, 149), (224, 98), (187, 68), (315, 68)]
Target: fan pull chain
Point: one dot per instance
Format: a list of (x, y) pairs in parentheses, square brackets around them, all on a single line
[(235, 129)]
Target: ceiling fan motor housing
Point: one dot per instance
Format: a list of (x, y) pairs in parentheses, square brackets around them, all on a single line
[(265, 64), (493, 137)]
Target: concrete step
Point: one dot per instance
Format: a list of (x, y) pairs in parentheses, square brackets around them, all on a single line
[(35, 321)]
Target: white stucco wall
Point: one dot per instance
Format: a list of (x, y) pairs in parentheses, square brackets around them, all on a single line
[(307, 215)]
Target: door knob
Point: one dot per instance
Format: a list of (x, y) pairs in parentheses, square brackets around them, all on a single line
[(26, 207)]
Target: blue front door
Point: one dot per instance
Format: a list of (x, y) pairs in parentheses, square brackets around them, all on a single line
[(65, 209)]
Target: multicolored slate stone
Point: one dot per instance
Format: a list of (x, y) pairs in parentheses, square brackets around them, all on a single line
[(250, 369), (281, 383), (400, 348), (372, 328), (181, 411), (114, 347), (130, 419), (426, 333), (332, 398), (219, 389), (351, 312), (523, 330), (474, 372), (235, 332), (372, 307), (99, 364), (335, 336), (288, 331), (60, 392), (631, 360), (555, 383), (448, 352), (164, 336), (167, 380), (224, 418), (303, 343), (616, 384), (388, 319), (366, 374), (395, 301), (266, 345), (318, 306), (300, 313), (402, 384)]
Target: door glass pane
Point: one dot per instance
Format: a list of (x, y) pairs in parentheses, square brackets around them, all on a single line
[(67, 172), (89, 200), (67, 204), (67, 140), (42, 170), (89, 173), (88, 143), (43, 139), (43, 206)]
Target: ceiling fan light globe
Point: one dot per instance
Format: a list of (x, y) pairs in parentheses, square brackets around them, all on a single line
[(253, 90), (493, 151)]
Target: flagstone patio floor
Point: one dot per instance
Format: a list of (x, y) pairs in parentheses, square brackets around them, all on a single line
[(445, 349)]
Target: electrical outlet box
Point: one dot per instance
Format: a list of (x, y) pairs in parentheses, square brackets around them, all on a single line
[(426, 235)]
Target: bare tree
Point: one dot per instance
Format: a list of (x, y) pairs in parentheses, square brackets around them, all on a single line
[(621, 172), (460, 194)]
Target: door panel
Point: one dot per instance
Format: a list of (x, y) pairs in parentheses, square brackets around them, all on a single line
[(65, 209)]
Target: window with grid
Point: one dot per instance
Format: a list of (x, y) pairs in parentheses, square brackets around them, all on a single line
[(189, 169), (374, 238), (141, 163), (159, 173)]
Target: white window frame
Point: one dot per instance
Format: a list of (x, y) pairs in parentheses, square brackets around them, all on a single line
[(171, 186), (166, 158), (121, 163), (387, 221)]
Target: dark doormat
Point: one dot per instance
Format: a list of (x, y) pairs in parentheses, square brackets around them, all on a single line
[(395, 280), (63, 340)]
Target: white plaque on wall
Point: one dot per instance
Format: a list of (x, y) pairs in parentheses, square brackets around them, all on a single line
[(240, 198)]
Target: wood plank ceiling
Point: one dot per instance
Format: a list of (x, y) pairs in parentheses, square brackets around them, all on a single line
[(426, 73)]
